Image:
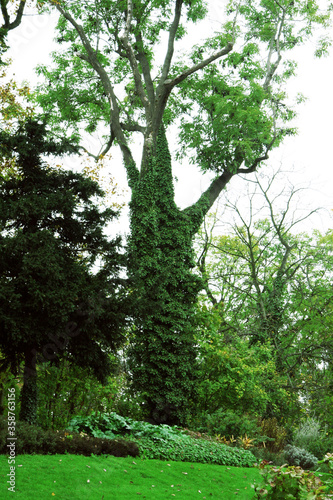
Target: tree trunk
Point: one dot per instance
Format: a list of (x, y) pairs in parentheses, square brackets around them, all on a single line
[(28, 411)]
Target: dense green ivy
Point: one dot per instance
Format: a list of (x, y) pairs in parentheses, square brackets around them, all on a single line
[(163, 353)]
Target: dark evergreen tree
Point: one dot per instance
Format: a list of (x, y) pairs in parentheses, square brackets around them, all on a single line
[(51, 236)]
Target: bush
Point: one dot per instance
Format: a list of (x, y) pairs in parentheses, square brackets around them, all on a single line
[(273, 434), (312, 438), (109, 425), (293, 483), (300, 457), (195, 450), (225, 423), (276, 458), (32, 439)]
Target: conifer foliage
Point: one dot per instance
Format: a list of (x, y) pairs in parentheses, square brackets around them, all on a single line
[(51, 234)]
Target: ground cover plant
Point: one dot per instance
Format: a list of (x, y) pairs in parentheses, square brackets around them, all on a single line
[(161, 442), (76, 477)]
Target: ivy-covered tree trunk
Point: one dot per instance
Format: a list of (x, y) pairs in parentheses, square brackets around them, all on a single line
[(163, 354), (29, 400)]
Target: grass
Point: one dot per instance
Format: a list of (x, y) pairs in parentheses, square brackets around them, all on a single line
[(71, 477)]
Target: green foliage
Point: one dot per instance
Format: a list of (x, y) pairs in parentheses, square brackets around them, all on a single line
[(300, 457), (52, 234), (233, 375), (160, 442), (275, 433), (328, 462), (66, 390), (269, 285), (195, 450), (226, 423), (111, 424), (311, 437), (232, 109), (32, 439), (291, 483), (165, 290)]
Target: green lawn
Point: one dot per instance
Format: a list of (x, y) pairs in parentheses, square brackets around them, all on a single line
[(70, 477)]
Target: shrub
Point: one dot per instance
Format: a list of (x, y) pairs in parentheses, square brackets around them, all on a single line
[(195, 450), (273, 434), (276, 458), (300, 457), (32, 439), (312, 438), (225, 423), (280, 483), (109, 425)]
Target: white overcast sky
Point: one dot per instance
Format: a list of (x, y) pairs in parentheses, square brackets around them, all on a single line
[(307, 157)]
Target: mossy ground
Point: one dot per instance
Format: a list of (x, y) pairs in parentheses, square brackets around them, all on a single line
[(70, 477)]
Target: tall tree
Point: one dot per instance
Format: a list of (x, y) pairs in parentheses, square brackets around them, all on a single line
[(115, 76), (51, 236)]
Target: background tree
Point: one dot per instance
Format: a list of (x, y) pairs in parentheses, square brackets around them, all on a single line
[(272, 287), (109, 78), (51, 237)]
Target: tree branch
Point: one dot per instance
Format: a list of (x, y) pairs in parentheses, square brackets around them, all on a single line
[(171, 41), (180, 78), (133, 62), (141, 56), (17, 21), (115, 125)]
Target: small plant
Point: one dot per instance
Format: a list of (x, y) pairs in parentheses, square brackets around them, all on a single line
[(292, 483), (274, 436), (300, 457), (245, 442), (224, 440)]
